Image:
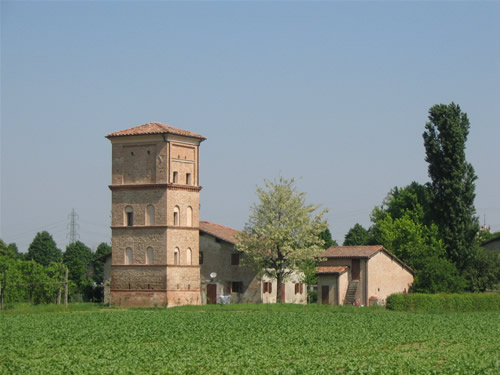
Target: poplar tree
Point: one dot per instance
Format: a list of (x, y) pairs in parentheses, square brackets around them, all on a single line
[(452, 181), (282, 233)]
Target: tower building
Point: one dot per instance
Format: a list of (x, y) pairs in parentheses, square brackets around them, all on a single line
[(155, 216)]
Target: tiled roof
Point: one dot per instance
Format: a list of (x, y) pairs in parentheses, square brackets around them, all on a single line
[(154, 128), (331, 269), (351, 251), (219, 231)]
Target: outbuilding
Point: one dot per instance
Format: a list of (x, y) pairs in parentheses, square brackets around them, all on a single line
[(361, 275)]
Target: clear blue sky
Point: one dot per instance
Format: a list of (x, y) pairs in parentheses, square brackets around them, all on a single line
[(335, 94)]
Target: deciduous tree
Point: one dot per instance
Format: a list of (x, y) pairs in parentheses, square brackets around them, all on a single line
[(282, 232), (357, 236), (77, 258), (102, 250), (43, 250)]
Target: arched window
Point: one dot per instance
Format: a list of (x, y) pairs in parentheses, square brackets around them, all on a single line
[(189, 256), (177, 255), (150, 215), (189, 217), (177, 218), (149, 255), (128, 256), (129, 216)]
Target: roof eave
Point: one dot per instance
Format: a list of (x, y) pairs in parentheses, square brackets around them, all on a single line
[(218, 237)]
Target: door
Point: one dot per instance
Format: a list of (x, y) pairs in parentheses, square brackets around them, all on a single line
[(211, 294), (325, 291), (355, 269)]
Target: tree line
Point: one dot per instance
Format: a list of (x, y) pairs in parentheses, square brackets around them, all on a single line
[(38, 276), (432, 227)]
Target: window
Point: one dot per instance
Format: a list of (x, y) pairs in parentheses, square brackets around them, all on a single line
[(235, 259), (201, 257), (188, 178), (189, 217), (237, 286), (128, 256), (176, 177), (299, 288), (189, 256), (129, 216), (267, 287), (176, 255), (150, 215), (177, 218), (149, 256)]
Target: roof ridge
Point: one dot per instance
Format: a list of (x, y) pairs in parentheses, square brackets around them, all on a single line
[(154, 128), (219, 225)]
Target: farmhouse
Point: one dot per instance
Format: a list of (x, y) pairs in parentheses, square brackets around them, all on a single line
[(222, 272), (163, 255), (360, 275), (156, 232)]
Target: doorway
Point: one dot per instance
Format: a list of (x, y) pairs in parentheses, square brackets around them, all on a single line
[(355, 269), (211, 294), (325, 291)]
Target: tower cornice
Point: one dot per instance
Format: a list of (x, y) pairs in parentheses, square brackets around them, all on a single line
[(154, 186)]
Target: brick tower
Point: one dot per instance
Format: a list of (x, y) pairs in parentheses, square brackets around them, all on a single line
[(155, 216)]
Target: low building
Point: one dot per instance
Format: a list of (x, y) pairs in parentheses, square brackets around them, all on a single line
[(222, 272), (361, 275), (492, 245)]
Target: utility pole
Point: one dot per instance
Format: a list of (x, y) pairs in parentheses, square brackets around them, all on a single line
[(73, 227), (65, 286)]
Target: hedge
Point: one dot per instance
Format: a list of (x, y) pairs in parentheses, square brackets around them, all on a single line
[(444, 302)]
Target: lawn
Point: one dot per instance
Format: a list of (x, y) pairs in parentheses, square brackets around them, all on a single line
[(258, 339)]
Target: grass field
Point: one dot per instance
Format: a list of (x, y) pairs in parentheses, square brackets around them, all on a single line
[(253, 339)]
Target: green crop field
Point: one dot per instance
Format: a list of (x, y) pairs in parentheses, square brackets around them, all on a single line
[(259, 340)]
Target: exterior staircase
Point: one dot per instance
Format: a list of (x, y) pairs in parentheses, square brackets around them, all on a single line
[(350, 296)]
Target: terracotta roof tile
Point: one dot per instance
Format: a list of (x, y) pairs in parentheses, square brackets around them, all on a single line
[(331, 269), (219, 231), (351, 251), (154, 128)]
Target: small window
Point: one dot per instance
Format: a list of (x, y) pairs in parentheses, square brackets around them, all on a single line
[(188, 178), (189, 217), (128, 256), (189, 256), (149, 256), (299, 288), (177, 218), (176, 177), (201, 257), (237, 287), (176, 256), (267, 287), (129, 218), (235, 259)]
